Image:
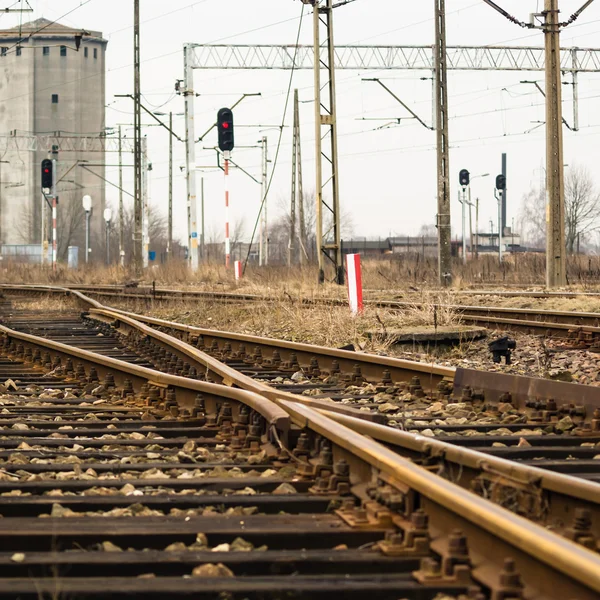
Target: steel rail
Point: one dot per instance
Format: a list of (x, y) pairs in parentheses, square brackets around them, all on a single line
[(223, 374), (563, 494), (448, 505), (550, 322), (186, 388), (521, 535)]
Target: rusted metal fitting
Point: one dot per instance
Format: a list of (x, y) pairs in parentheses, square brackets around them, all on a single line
[(509, 585), (302, 449), (371, 516), (93, 376), (455, 567), (28, 355), (386, 378), (313, 368), (69, 367), (153, 396), (109, 381), (581, 529), (199, 408), (258, 356), (276, 358), (357, 377), (37, 357), (225, 417), (128, 388), (335, 368), (214, 347), (413, 539), (80, 371), (415, 387)]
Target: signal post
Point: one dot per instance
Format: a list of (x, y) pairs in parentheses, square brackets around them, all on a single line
[(226, 144)]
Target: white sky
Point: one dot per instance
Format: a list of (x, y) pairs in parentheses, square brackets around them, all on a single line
[(387, 177)]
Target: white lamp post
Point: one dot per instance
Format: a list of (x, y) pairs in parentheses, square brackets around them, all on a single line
[(107, 219), (87, 206)]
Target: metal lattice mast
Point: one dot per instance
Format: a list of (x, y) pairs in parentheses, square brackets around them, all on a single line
[(326, 152), (300, 188), (443, 151), (137, 159)]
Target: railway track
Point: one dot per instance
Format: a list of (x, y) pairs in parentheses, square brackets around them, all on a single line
[(580, 330), (381, 481)]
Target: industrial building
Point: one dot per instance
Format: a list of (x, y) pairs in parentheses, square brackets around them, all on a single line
[(52, 94)]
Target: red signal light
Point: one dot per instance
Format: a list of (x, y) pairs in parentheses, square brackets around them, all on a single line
[(225, 125)]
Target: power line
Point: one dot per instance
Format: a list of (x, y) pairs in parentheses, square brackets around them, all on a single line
[(275, 160)]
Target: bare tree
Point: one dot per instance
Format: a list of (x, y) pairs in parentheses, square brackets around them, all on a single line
[(532, 217), (582, 203)]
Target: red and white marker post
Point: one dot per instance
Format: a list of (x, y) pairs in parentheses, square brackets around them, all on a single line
[(355, 292), (227, 240), (54, 240), (237, 267)]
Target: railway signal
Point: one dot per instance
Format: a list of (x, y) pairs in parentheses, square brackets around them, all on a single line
[(47, 174), (464, 178), (225, 129), (499, 191)]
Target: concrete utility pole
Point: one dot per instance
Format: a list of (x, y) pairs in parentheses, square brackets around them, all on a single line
[(121, 206), (556, 275), (329, 243), (504, 200), (291, 249), (263, 242), (170, 225), (138, 242), (190, 162), (145, 205), (443, 153)]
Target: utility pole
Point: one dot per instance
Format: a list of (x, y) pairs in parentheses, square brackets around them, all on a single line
[(263, 243), (300, 188), (202, 215), (121, 206), (555, 185), (145, 204), (556, 275), (190, 162), (170, 226), (443, 153), (138, 242), (328, 245), (291, 248)]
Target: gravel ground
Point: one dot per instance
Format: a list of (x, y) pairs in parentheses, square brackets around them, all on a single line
[(534, 357)]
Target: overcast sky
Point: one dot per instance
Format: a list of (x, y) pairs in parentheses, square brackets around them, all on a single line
[(387, 176)]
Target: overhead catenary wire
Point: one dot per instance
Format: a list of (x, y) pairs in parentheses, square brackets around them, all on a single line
[(285, 109)]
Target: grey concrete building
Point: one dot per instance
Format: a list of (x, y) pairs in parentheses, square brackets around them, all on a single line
[(50, 89)]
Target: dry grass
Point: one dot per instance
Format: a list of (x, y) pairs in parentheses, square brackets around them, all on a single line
[(327, 325)]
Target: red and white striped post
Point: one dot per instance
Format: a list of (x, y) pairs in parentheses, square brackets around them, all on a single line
[(227, 240), (237, 267), (54, 248), (355, 292)]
